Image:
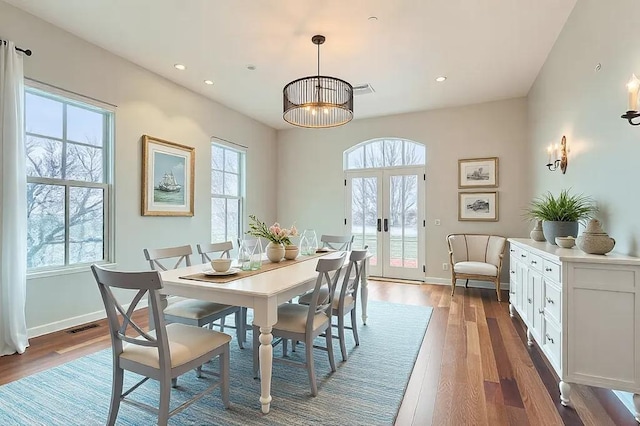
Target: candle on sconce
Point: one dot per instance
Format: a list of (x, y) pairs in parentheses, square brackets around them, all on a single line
[(633, 86), (549, 149)]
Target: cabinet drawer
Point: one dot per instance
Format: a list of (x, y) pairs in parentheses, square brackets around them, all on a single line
[(534, 262), (552, 301), (552, 339), (551, 270)]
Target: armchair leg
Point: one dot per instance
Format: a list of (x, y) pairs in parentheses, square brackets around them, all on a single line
[(466, 284), (498, 289)]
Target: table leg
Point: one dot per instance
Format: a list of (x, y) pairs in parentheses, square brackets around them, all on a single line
[(266, 363), (364, 290)]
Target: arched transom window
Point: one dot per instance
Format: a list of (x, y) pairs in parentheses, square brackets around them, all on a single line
[(390, 152)]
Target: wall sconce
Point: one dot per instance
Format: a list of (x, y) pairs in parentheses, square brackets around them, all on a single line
[(632, 87), (558, 156)]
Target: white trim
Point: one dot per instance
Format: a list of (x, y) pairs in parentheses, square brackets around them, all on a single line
[(55, 90), (80, 320), (460, 283), (78, 269), (231, 145)]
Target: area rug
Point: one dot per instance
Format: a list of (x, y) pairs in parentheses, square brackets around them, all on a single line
[(367, 389)]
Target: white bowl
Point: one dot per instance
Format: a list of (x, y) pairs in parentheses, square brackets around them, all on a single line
[(566, 242), (221, 265)]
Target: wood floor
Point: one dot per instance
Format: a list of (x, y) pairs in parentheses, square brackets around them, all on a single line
[(473, 368)]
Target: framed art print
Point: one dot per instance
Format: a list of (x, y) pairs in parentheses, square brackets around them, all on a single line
[(478, 173), (478, 206), (168, 172)]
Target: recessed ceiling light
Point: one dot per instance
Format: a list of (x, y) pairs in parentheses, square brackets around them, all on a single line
[(209, 82), (441, 78), (251, 67), (179, 67)]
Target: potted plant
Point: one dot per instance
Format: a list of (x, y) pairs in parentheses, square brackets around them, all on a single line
[(560, 215)]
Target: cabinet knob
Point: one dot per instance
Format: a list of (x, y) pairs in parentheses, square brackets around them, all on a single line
[(549, 338), (548, 269), (512, 251), (540, 311), (523, 255), (513, 272), (533, 262), (549, 300), (529, 300)]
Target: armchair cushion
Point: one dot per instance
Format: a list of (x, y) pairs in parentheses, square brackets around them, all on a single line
[(476, 268)]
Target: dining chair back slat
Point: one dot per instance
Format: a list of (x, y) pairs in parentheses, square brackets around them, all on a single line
[(205, 250), (153, 256), (337, 242)]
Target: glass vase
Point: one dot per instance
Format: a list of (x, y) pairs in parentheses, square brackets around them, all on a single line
[(308, 242)]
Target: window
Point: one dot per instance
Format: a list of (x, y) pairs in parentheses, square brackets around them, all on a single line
[(227, 183), (68, 181), (384, 153)]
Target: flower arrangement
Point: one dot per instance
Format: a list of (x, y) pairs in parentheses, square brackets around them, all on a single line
[(274, 233)]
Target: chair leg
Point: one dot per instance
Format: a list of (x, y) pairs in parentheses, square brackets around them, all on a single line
[(255, 347), (224, 376), (174, 382), (498, 289), (284, 347), (343, 345), (165, 394), (354, 326), (329, 339), (308, 343), (222, 324), (466, 284), (244, 324), (198, 373), (239, 329), (116, 393)]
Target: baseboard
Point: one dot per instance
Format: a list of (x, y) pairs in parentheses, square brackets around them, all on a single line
[(460, 283), (79, 320)]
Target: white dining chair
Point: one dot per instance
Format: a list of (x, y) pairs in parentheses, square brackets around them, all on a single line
[(162, 354), (192, 311), (304, 323), (337, 242)]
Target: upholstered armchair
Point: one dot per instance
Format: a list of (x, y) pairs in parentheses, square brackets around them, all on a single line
[(475, 257)]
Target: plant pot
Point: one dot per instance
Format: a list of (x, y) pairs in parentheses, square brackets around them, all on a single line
[(553, 229), (275, 252), (291, 252)]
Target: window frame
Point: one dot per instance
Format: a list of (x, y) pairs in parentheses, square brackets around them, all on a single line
[(241, 175), (383, 141), (107, 184)]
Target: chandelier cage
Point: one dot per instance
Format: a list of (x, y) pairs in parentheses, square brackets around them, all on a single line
[(318, 101)]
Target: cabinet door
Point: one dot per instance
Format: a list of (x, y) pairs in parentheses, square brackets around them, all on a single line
[(536, 317), (522, 290), (512, 279)]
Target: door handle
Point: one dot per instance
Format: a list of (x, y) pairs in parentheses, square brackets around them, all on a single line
[(386, 225), (379, 224)]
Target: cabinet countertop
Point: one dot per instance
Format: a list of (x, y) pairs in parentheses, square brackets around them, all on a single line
[(575, 254)]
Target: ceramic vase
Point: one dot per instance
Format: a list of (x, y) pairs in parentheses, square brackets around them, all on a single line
[(275, 252), (594, 240), (536, 233), (291, 252)]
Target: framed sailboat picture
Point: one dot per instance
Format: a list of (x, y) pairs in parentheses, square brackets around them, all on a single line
[(168, 172)]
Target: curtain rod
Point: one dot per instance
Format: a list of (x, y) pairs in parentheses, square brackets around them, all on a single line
[(25, 51)]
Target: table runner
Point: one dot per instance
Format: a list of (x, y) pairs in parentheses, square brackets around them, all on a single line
[(266, 266)]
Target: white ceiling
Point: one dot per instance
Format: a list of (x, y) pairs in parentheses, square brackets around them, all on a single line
[(488, 49)]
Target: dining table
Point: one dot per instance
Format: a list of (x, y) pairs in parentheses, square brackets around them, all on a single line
[(263, 292)]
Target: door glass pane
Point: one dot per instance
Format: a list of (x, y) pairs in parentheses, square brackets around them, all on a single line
[(45, 225), (364, 214), (403, 219), (392, 153), (86, 229), (414, 154)]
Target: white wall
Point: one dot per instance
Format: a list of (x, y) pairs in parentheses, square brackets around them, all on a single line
[(310, 174), (147, 104), (570, 98)]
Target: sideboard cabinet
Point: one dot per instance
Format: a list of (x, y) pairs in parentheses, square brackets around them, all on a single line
[(583, 311)]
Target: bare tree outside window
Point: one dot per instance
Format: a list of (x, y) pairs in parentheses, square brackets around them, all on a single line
[(67, 193)]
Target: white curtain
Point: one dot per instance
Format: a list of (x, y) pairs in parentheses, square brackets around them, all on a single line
[(13, 204)]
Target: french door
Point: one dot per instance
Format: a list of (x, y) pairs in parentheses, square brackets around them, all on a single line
[(385, 211)]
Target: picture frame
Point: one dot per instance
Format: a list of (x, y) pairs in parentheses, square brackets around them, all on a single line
[(478, 206), (168, 171), (478, 173)]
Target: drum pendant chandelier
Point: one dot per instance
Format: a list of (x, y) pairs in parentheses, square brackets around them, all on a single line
[(318, 101)]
